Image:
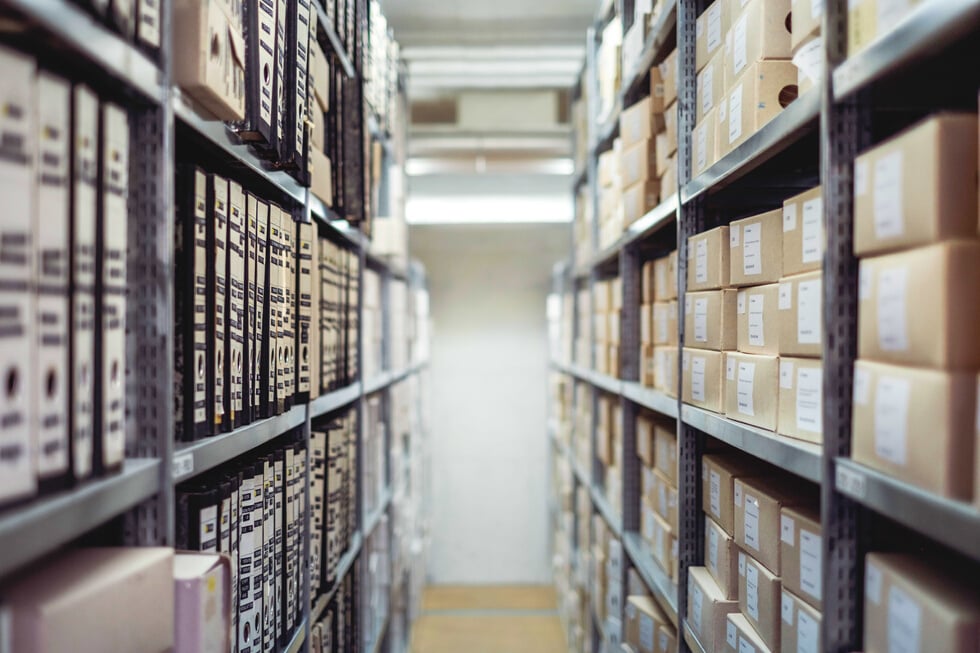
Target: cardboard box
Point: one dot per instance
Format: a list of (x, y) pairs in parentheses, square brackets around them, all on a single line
[(648, 284), (670, 129), (721, 558), (718, 475), (640, 199), (665, 370), (710, 29), (801, 399), (710, 86), (757, 315), (668, 69), (708, 264), (801, 315), (808, 59), (803, 232), (127, 592), (707, 608), (202, 589), (930, 610), (710, 319), (666, 638), (209, 66), (758, 505), (640, 122), (643, 618), (919, 307), (664, 545), (869, 19), (646, 324), (668, 180), (600, 328), (756, 246), (759, 598), (665, 449), (918, 187), (916, 425), (800, 630), (321, 176), (613, 321), (755, 98), (648, 486), (636, 163), (703, 379), (665, 323), (648, 366), (807, 19), (319, 71), (741, 637), (665, 276), (801, 552), (705, 147), (657, 104), (760, 31), (666, 500)]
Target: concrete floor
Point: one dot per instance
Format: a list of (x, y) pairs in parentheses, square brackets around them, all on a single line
[(488, 619)]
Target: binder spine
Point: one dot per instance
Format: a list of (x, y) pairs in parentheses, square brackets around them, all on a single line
[(273, 294), (236, 303), (287, 308), (260, 70), (268, 552), (278, 464), (263, 326), (217, 302), (253, 345), (304, 308)]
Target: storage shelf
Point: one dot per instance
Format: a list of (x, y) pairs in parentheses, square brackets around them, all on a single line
[(656, 219), (333, 400), (373, 518), (95, 42), (651, 399), (344, 566), (385, 379), (601, 381), (654, 49), (798, 119), (375, 645), (579, 177), (295, 645), (692, 640), (795, 456), (334, 40), (928, 28), (568, 453), (193, 458), (614, 521), (953, 523), (608, 130), (396, 268), (45, 524), (655, 577)]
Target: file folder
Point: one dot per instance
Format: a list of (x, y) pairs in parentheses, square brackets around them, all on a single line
[(250, 564), (234, 488), (273, 297), (297, 63), (277, 147), (290, 525), (287, 276), (304, 308), (236, 302), (197, 519), (217, 301)]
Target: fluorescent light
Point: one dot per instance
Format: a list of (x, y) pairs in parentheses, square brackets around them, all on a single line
[(476, 209)]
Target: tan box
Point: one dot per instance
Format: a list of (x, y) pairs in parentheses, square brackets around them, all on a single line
[(807, 19), (665, 323), (202, 602), (800, 552), (721, 558), (756, 245), (710, 29), (666, 638), (759, 597), (602, 296), (758, 502), (757, 315), (600, 328), (920, 307), (613, 327), (640, 199), (918, 187), (640, 122), (648, 284), (710, 319), (665, 449), (666, 500), (320, 77), (868, 19), (657, 90), (718, 475), (907, 597), (710, 86), (740, 636), (916, 425), (648, 486), (669, 68), (608, 168), (760, 31), (801, 399), (318, 127), (646, 323), (803, 232), (668, 180), (665, 273), (670, 128), (801, 315), (808, 59), (665, 370), (703, 142), (704, 379), (643, 618), (708, 264), (321, 176), (755, 98), (664, 545), (707, 609), (648, 366), (800, 629), (636, 163), (209, 65)]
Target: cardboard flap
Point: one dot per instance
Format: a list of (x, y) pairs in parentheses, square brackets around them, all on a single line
[(237, 45)]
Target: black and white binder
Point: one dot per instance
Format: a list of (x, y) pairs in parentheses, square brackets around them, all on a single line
[(251, 346), (217, 301), (234, 482), (274, 321), (279, 486), (260, 72), (304, 308), (236, 303), (264, 331), (249, 565), (287, 308), (198, 519), (270, 607)]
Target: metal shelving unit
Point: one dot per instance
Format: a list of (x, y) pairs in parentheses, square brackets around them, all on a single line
[(343, 568), (650, 399), (323, 24), (295, 645), (692, 640), (658, 218), (656, 578), (654, 49)]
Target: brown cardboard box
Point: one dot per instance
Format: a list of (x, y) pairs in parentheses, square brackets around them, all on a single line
[(718, 474), (757, 314), (664, 545), (760, 31), (320, 77), (709, 320), (800, 552), (801, 398), (600, 327), (210, 48), (920, 307), (602, 300), (868, 19), (916, 425), (758, 502), (918, 187), (648, 518), (644, 439), (756, 245), (202, 593), (608, 167), (908, 597), (807, 19), (648, 485), (666, 638), (665, 370), (670, 128), (317, 132), (110, 600), (613, 319), (800, 630), (646, 323), (721, 558), (710, 86), (803, 232), (665, 273), (710, 29), (668, 180), (801, 315), (666, 500), (669, 68), (704, 379), (639, 122), (759, 597), (614, 362), (648, 366), (639, 199), (707, 608), (665, 449), (665, 323), (657, 90), (708, 264), (703, 142), (740, 636), (636, 163), (321, 176), (755, 98), (643, 618), (648, 287)]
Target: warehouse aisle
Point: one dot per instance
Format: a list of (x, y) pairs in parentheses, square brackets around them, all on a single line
[(488, 619)]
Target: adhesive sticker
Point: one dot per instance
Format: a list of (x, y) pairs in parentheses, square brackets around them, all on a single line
[(891, 419), (789, 217)]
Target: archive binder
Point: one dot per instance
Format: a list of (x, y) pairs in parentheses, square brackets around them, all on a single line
[(270, 606), (197, 519), (314, 351), (297, 64), (236, 303), (278, 463), (148, 25), (122, 14), (290, 529), (287, 308), (260, 72), (264, 331), (258, 554), (318, 461), (233, 482), (251, 347), (277, 146), (217, 297), (51, 228), (273, 321), (304, 308), (249, 565)]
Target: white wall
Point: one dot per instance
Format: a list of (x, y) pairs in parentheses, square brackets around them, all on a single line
[(489, 362)]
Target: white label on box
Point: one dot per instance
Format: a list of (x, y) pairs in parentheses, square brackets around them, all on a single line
[(741, 301), (700, 319), (808, 314), (699, 27), (713, 548), (715, 491), (812, 240), (734, 235), (892, 331), (809, 399), (686, 358), (714, 26), (865, 283), (735, 115), (731, 635), (701, 261), (811, 556), (861, 178), (752, 592), (904, 622), (752, 254), (872, 583), (741, 563), (816, 8), (745, 646), (697, 379), (752, 521), (738, 45), (786, 374), (647, 630), (891, 419), (807, 634), (888, 216), (698, 597), (789, 217), (707, 89), (787, 529), (757, 335), (730, 375), (785, 295), (702, 143), (809, 60), (786, 606), (862, 386), (738, 495)]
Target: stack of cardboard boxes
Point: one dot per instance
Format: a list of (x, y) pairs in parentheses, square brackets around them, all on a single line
[(608, 69), (658, 324), (656, 446), (607, 585), (563, 397), (612, 216), (647, 629), (583, 564), (583, 340), (582, 435), (608, 305), (609, 449)]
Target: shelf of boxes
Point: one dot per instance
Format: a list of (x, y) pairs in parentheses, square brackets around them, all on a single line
[(656, 579), (654, 48)]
